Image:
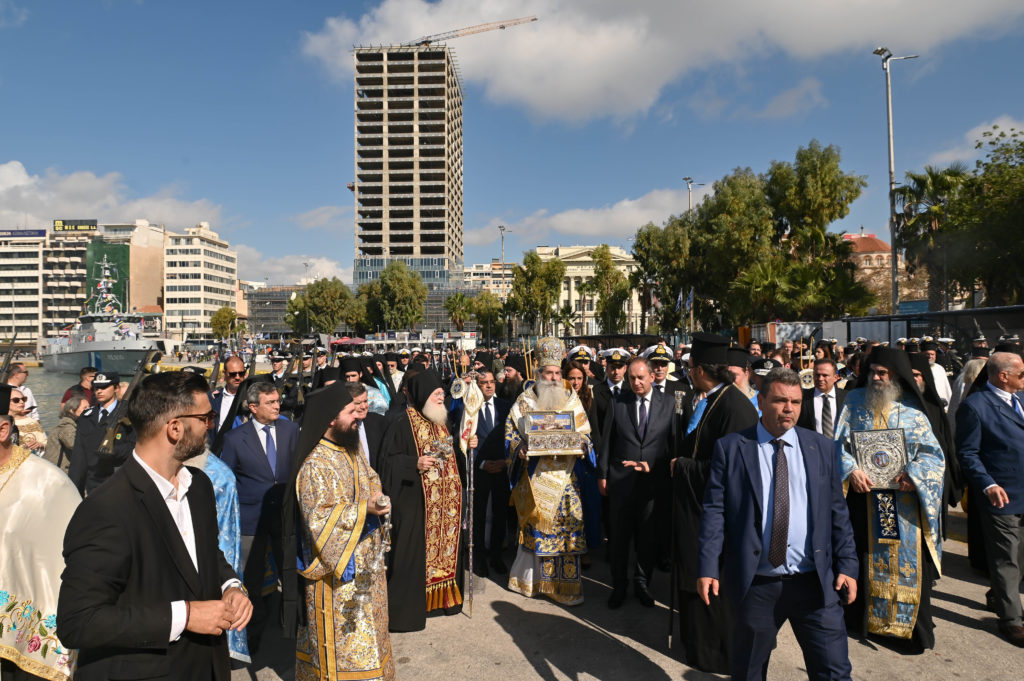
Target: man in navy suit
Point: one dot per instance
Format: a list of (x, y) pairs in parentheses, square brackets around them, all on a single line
[(639, 431), (989, 437), (774, 494), (259, 452), (490, 482)]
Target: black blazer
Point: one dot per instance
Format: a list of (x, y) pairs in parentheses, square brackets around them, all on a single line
[(125, 563), (374, 425), (491, 447), (621, 437), (602, 402), (89, 469), (806, 418), (259, 491)]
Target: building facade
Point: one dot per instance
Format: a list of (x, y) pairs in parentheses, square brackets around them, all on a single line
[(408, 162), (872, 260), (579, 268), (200, 277), (494, 276), (267, 309), (21, 285)]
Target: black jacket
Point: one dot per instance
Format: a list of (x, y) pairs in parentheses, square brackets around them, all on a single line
[(125, 563), (89, 469), (622, 441), (806, 418)]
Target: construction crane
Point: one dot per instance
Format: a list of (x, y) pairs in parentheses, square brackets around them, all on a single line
[(480, 28)]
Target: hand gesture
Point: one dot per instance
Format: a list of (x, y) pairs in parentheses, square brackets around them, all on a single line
[(473, 442), (706, 586), (905, 483), (997, 496), (638, 466), (374, 506), (239, 607), (860, 481), (425, 463), (209, 617)]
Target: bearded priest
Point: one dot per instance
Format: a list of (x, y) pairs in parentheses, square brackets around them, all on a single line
[(422, 474), (546, 489)]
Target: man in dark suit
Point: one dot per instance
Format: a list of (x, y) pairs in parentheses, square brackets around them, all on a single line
[(989, 432), (822, 404), (611, 387), (146, 592), (775, 496), (490, 482), (89, 467), (639, 433), (371, 425), (223, 399), (259, 453)]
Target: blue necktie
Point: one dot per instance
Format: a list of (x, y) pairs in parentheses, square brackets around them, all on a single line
[(1016, 405), (642, 418), (271, 450), (488, 423)]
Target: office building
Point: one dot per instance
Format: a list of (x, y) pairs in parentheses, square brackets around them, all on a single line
[(200, 277)]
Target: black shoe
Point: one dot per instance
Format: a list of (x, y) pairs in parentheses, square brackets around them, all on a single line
[(1014, 635), (645, 597), (617, 598), (480, 570), (499, 566), (990, 600)]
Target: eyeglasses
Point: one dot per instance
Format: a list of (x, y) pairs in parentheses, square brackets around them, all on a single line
[(236, 374), (210, 416), (17, 400)]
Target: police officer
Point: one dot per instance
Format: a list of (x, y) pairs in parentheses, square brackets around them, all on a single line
[(89, 467)]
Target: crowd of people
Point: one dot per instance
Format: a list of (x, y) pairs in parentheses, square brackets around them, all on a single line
[(352, 495)]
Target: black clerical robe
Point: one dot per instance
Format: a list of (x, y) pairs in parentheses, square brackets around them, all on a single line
[(706, 631)]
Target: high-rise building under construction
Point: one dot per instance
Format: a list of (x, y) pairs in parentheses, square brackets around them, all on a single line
[(408, 162)]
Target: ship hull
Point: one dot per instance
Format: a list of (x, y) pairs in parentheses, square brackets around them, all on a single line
[(105, 356)]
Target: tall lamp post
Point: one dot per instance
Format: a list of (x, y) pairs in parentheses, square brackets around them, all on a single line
[(689, 189), (886, 54)]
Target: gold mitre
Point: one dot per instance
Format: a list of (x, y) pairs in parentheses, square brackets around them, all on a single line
[(550, 352)]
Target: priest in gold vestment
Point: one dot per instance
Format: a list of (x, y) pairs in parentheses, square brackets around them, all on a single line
[(546, 490), (342, 546)]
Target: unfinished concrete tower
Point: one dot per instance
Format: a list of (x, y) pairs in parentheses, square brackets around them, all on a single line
[(408, 162)]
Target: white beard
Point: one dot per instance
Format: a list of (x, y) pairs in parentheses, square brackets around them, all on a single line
[(435, 413), (878, 397), (550, 395)]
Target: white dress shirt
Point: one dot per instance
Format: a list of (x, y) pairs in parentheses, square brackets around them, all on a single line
[(177, 505), (262, 434), (363, 441), (817, 408), (226, 400)]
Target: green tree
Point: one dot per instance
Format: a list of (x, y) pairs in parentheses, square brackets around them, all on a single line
[(320, 307), (355, 316), (925, 197), (566, 317), (459, 310), (223, 322), (396, 299), (612, 291), (486, 309), (536, 285)]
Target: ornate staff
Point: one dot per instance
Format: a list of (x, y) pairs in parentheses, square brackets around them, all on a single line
[(472, 400)]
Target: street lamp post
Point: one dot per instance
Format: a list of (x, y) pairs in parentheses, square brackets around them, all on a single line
[(886, 54), (689, 189)]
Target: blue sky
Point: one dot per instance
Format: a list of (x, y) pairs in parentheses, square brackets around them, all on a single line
[(578, 128)]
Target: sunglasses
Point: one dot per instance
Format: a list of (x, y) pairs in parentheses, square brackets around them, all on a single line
[(17, 400), (235, 374), (210, 416)]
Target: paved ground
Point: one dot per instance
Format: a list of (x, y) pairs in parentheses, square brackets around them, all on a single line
[(511, 638)]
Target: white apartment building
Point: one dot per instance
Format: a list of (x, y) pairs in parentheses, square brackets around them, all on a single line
[(21, 284), (579, 268), (200, 277), (494, 276)]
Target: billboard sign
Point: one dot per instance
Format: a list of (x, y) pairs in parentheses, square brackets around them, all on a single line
[(22, 233), (74, 225)]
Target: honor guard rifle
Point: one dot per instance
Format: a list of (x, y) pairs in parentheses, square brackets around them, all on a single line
[(8, 356), (119, 419)]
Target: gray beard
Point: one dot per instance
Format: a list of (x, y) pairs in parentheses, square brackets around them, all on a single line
[(550, 395), (878, 397), (435, 413)]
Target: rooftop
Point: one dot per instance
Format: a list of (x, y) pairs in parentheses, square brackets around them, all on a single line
[(867, 243)]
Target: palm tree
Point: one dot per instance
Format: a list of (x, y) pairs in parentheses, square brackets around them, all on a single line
[(458, 308), (566, 317), (924, 198)]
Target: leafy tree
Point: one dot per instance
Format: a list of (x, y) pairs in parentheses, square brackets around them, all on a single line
[(396, 299), (355, 317), (536, 286), (566, 317), (486, 310), (459, 309), (223, 322), (925, 197), (320, 307), (612, 291)]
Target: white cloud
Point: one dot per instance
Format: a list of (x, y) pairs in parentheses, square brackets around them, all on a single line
[(794, 101), (616, 221), (589, 59), (288, 269), (966, 151), (330, 218), (33, 201), (12, 15)]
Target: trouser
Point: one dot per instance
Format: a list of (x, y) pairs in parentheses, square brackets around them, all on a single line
[(820, 629), (633, 521), (254, 570), (490, 492), (1003, 537), (11, 672)]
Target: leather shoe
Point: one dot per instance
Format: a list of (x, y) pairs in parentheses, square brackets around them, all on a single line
[(645, 597), (990, 600), (1014, 635), (617, 598), (480, 570), (499, 566)]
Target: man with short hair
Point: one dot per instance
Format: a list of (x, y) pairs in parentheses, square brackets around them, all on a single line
[(89, 466), (551, 535), (905, 519), (822, 404), (146, 592), (83, 387), (16, 376), (259, 454), (613, 385), (989, 431), (776, 487), (224, 398), (639, 437)]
